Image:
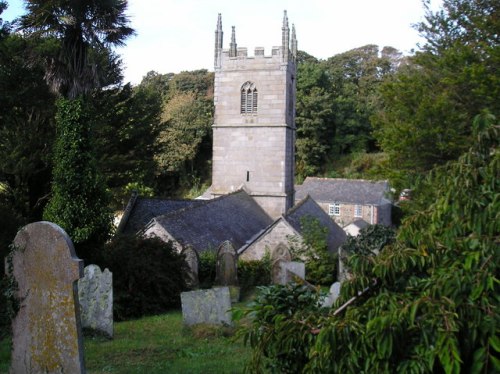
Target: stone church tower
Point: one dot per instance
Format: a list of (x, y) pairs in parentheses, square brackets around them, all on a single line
[(254, 122)]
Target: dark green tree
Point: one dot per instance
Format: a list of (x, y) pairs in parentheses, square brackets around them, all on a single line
[(83, 30), (428, 107), (314, 117)]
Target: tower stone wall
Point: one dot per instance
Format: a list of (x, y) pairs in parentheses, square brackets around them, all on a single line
[(254, 122)]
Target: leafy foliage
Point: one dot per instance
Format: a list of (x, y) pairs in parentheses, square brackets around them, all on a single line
[(279, 331), (428, 108), (254, 273), (81, 28), (80, 202), (432, 295), (206, 268), (147, 275), (321, 265)]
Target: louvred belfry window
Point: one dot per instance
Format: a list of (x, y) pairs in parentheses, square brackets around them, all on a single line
[(249, 97)]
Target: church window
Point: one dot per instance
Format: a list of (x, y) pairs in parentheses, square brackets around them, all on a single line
[(249, 98)]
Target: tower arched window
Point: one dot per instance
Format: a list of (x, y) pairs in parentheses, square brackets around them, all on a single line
[(249, 97)]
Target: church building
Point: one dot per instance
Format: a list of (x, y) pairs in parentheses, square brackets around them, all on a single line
[(251, 200), (254, 122)]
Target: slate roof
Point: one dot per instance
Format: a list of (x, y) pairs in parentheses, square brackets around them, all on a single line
[(144, 210), (352, 191), (309, 208), (235, 217)]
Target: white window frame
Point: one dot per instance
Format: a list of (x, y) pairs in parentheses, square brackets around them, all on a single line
[(358, 210), (334, 209)]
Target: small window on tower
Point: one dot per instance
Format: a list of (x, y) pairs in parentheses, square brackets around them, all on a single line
[(248, 98)]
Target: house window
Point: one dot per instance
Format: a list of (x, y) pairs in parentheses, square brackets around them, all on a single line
[(249, 98), (358, 211), (334, 209)]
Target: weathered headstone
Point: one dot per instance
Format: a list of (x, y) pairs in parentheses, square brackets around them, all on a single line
[(226, 273), (206, 306), (192, 260), (285, 271), (279, 255), (95, 293), (332, 296), (343, 272), (46, 330)]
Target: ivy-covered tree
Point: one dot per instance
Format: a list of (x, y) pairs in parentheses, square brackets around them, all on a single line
[(82, 31)]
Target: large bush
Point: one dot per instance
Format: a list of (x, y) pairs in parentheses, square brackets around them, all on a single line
[(431, 304), (206, 268), (279, 331), (254, 273), (147, 275)]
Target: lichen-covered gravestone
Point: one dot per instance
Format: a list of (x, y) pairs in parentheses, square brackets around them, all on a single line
[(226, 273), (46, 330), (207, 306), (192, 261), (95, 292)]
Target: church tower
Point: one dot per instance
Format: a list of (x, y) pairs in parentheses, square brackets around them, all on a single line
[(254, 122)]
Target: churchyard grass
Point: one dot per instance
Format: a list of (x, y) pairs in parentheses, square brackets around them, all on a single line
[(158, 344)]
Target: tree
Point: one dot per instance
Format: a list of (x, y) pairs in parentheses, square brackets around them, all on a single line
[(83, 30), (428, 302), (427, 109), (184, 139), (314, 119), (355, 77)]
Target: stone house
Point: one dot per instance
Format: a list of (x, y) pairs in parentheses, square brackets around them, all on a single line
[(349, 200)]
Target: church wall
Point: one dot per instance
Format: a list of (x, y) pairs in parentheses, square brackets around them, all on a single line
[(280, 233)]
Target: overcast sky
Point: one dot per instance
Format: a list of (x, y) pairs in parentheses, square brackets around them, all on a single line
[(176, 35)]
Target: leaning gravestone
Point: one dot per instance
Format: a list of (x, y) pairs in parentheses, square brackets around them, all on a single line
[(206, 306), (285, 271), (192, 260), (46, 330), (226, 273), (95, 292)]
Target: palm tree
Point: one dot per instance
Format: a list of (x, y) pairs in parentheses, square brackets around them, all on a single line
[(81, 27), (83, 30)]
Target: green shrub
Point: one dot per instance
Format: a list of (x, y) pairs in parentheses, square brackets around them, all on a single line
[(206, 268), (147, 275), (254, 273), (282, 319), (321, 265)]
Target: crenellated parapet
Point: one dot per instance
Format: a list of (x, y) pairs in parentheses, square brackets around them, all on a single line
[(285, 53)]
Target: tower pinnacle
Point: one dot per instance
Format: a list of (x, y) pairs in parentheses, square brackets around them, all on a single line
[(218, 42), (285, 38), (232, 45)]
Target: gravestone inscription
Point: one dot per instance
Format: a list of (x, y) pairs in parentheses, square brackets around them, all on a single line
[(46, 330)]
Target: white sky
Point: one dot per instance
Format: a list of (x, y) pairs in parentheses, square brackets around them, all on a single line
[(176, 35)]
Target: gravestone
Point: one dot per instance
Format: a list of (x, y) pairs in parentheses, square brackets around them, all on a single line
[(285, 271), (279, 254), (95, 293), (226, 272), (192, 260), (343, 272), (46, 330), (332, 296), (206, 306)]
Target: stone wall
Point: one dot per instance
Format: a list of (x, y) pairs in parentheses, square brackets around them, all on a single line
[(279, 233)]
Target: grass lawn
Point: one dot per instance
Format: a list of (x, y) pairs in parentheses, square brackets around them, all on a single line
[(159, 344)]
